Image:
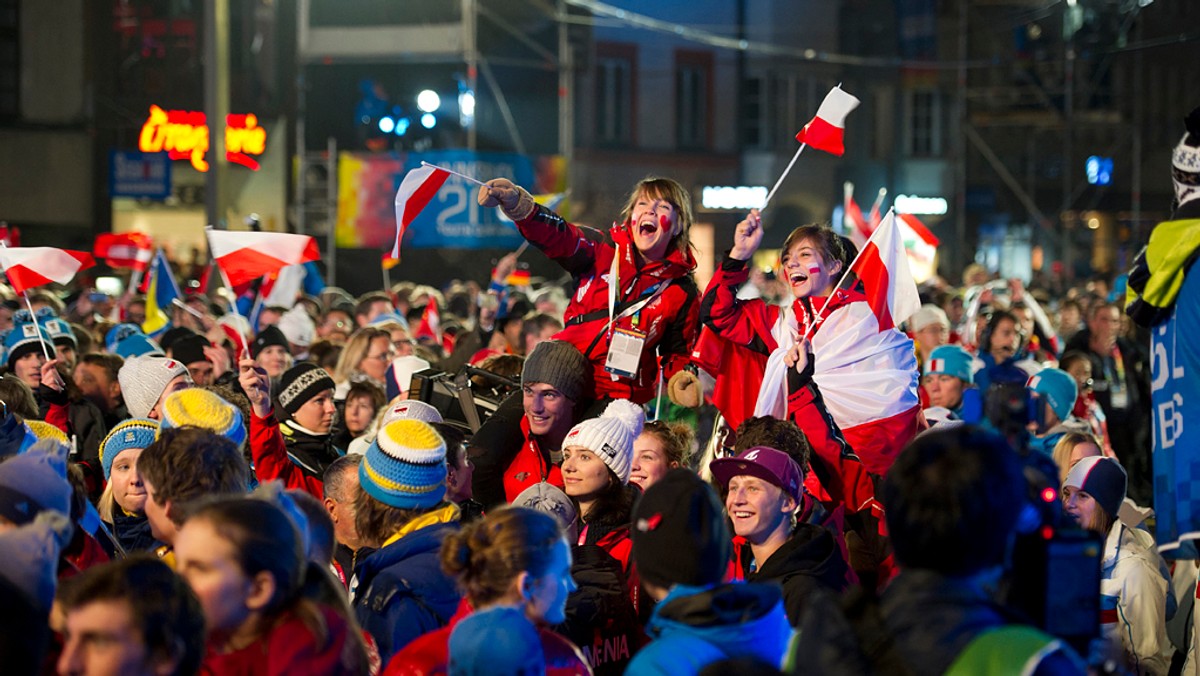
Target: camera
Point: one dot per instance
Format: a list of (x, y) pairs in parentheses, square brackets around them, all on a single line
[(454, 396)]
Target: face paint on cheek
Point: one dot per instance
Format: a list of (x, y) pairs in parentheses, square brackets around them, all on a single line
[(664, 222), (814, 269)]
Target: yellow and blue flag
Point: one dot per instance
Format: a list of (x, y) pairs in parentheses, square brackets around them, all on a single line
[(160, 296)]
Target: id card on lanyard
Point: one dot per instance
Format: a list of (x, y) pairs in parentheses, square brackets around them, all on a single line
[(625, 345)]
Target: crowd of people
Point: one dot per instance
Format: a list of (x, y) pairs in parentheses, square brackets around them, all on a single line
[(762, 476)]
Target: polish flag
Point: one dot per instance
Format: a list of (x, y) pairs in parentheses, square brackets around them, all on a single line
[(247, 255), (826, 130), (431, 322), (416, 191), (125, 250), (27, 267), (882, 266), (921, 246), (856, 225)]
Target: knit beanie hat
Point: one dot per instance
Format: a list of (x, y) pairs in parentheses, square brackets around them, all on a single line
[(138, 345), (59, 332), (297, 326), (143, 380), (1185, 161), (611, 435), (1102, 478), (926, 315), (300, 383), (200, 408), (560, 364), (411, 409), (405, 467), (22, 339), (679, 532), (546, 497), (118, 333), (1057, 387), (44, 430), (269, 336), (190, 349), (951, 360), (173, 335), (29, 555), (34, 481), (400, 372), (499, 640), (132, 433)]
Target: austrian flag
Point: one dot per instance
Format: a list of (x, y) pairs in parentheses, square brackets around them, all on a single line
[(415, 193), (246, 255), (27, 267), (826, 130)]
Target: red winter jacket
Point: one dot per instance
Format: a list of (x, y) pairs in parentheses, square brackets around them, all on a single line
[(289, 648), (530, 466), (429, 655), (669, 320), (271, 460)]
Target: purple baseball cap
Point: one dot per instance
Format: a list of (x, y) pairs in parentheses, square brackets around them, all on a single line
[(765, 463)]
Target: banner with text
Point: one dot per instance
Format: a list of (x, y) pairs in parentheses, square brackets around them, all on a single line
[(367, 184)]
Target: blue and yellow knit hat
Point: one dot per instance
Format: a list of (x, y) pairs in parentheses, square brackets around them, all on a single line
[(405, 467), (131, 433), (200, 408)]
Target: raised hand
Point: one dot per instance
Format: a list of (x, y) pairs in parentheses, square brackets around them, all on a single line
[(257, 386), (747, 237), (499, 192)]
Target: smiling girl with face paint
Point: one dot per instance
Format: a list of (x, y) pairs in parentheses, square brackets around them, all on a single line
[(634, 283)]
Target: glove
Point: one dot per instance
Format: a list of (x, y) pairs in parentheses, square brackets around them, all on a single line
[(801, 374), (514, 200), (684, 389)]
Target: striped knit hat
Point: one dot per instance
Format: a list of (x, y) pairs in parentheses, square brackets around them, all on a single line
[(300, 383), (132, 433), (45, 430), (405, 467), (201, 408)]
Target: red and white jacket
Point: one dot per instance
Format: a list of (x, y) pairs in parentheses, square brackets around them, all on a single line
[(669, 320)]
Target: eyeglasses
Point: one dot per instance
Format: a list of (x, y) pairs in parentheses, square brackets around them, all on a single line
[(386, 356)]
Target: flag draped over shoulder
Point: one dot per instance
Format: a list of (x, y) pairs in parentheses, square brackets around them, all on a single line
[(27, 267), (246, 255), (418, 188), (161, 295)]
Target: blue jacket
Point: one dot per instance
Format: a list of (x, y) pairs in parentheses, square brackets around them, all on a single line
[(401, 591), (693, 627)]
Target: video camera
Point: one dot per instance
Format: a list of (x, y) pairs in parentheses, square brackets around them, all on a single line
[(1055, 574), (454, 396)]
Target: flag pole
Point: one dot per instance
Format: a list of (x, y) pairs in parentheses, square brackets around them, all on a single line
[(845, 273), (783, 176), (387, 278), (454, 173), (36, 326), (521, 249), (232, 294)]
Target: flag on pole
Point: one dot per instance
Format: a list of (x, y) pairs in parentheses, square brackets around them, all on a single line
[(882, 266), (246, 255), (855, 224), (125, 250), (388, 262), (161, 295), (27, 267), (826, 130), (415, 192), (431, 322), (921, 246)]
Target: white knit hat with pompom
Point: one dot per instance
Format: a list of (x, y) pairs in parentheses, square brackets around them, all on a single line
[(611, 435)]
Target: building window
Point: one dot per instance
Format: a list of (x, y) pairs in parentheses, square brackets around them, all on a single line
[(693, 99), (923, 131), (615, 72), (754, 112), (10, 62)]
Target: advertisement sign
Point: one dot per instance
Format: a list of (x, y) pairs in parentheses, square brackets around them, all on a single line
[(367, 184), (137, 174)]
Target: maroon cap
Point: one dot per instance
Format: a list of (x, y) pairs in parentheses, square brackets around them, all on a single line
[(764, 463)]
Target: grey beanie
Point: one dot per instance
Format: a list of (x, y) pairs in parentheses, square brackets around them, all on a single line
[(143, 380), (561, 364)]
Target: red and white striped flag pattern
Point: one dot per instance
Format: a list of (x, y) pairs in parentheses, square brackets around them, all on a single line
[(125, 250), (921, 246), (246, 255), (826, 131), (882, 266), (27, 267), (416, 191)]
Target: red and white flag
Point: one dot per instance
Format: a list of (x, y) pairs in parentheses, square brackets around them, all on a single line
[(27, 267), (246, 255), (431, 322), (125, 250), (882, 267), (921, 246), (826, 130), (416, 191), (854, 221)]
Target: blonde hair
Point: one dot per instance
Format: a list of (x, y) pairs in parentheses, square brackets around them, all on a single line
[(1065, 446), (356, 351)]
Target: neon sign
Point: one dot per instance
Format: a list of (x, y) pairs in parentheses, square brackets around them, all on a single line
[(183, 135)]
